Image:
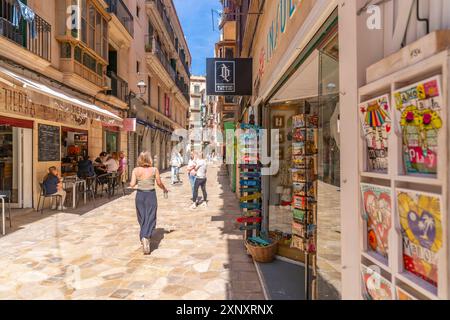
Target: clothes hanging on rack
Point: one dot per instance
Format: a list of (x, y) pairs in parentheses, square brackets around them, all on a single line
[(20, 10)]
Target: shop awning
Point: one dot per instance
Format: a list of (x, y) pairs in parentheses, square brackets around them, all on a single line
[(53, 93)]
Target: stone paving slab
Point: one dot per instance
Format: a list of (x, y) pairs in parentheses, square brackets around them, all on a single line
[(196, 254)]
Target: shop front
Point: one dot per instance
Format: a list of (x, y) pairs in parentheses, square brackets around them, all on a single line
[(42, 127)]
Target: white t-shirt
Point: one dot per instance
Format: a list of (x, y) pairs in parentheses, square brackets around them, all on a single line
[(112, 165), (201, 168)]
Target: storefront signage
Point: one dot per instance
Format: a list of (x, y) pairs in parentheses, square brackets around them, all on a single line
[(13, 101), (222, 77), (49, 143), (285, 11), (129, 125)]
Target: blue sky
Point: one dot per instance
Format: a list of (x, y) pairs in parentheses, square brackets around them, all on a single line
[(195, 17)]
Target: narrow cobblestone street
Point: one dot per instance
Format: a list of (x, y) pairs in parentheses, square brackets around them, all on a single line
[(196, 254)]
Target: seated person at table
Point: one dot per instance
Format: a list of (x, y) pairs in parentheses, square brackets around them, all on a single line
[(112, 164), (53, 186), (99, 165), (85, 168)]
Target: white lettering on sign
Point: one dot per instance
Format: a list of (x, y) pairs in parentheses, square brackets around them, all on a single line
[(374, 20)]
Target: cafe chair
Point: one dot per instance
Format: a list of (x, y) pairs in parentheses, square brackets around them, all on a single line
[(117, 183), (90, 191), (101, 180), (43, 196), (6, 195)]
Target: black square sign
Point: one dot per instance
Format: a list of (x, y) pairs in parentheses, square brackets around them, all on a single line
[(229, 77)]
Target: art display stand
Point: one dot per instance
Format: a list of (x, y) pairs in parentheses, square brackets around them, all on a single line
[(304, 205), (404, 178)]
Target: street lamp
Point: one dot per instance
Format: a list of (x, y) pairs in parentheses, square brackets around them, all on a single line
[(142, 86)]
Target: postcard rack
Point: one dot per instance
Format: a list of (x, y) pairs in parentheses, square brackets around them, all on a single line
[(404, 177), (304, 205), (250, 180)]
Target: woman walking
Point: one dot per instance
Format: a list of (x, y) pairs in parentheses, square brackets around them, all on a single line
[(144, 178)]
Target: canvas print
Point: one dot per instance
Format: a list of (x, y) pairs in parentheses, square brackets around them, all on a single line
[(374, 286), (377, 212), (421, 225), (376, 122), (419, 111)]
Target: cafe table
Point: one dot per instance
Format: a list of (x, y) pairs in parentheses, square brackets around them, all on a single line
[(74, 183)]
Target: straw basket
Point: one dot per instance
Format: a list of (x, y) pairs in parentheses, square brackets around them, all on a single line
[(263, 254)]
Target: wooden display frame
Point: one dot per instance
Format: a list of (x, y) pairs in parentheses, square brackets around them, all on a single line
[(395, 178)]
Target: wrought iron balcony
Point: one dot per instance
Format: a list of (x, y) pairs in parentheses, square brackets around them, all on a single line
[(38, 42), (153, 46), (122, 12), (119, 87)]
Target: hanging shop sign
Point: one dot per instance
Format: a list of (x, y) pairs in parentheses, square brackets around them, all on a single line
[(222, 77), (419, 108), (377, 212), (129, 125), (375, 118), (421, 225)]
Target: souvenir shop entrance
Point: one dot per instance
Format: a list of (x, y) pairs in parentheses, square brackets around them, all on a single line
[(312, 91)]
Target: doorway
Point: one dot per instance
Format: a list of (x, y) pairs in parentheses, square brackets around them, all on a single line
[(16, 164)]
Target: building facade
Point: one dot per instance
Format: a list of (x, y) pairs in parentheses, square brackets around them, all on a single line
[(329, 59), (62, 90), (161, 60)]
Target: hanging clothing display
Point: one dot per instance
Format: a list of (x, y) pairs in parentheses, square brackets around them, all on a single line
[(20, 11)]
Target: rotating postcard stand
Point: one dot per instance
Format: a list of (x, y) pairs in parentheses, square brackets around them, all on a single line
[(304, 177), (250, 180)]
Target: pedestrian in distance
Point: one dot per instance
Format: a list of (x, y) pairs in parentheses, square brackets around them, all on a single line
[(176, 161), (144, 178), (191, 172), (201, 168)]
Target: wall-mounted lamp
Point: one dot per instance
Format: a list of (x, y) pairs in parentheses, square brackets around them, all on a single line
[(142, 86)]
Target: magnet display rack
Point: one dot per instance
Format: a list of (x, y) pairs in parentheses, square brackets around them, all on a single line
[(305, 183), (422, 78), (250, 180)]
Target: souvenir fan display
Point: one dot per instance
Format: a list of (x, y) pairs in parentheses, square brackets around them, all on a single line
[(377, 212), (421, 225), (250, 180), (374, 286), (304, 183), (419, 108), (376, 123)]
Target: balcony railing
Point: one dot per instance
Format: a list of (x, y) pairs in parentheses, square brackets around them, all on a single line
[(152, 46), (38, 43), (124, 15), (119, 87), (184, 88)]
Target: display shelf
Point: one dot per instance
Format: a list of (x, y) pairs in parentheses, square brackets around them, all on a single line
[(418, 284), (416, 76), (380, 261)]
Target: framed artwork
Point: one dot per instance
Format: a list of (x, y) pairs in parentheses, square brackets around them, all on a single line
[(419, 108), (402, 295), (377, 212), (375, 116), (374, 286), (421, 227), (278, 122)]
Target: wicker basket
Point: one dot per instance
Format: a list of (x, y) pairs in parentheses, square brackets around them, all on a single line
[(263, 254)]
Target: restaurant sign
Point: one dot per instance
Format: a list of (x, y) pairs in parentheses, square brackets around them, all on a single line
[(222, 79)]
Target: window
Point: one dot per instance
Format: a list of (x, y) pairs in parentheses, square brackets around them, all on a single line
[(94, 29), (138, 11), (159, 98), (138, 67), (229, 53), (197, 89), (149, 91), (166, 105), (66, 50), (197, 103)]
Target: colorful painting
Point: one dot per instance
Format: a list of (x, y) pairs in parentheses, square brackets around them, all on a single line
[(377, 212), (374, 286), (375, 118), (419, 110), (420, 220), (402, 295)]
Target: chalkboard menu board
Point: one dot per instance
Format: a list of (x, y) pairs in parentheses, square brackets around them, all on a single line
[(49, 143)]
